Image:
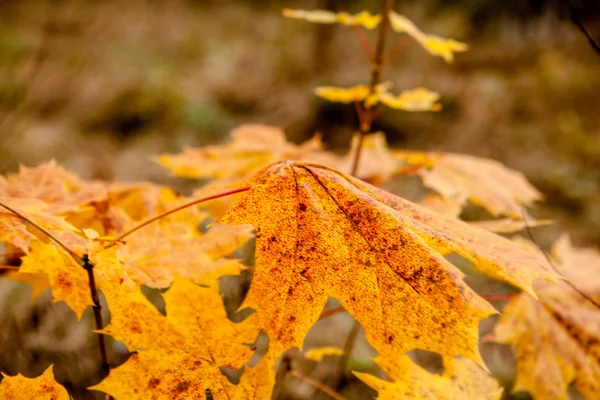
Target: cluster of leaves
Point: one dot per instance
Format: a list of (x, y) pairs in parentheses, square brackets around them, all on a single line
[(320, 233)]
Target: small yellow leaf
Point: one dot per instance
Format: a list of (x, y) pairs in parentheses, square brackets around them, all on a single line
[(435, 45), (342, 95), (419, 99), (363, 18), (43, 387), (354, 93), (318, 353), (316, 16)]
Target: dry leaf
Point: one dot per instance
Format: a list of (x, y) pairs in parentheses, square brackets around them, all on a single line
[(485, 182), (462, 379), (43, 387), (556, 338), (364, 18), (435, 45), (321, 233)]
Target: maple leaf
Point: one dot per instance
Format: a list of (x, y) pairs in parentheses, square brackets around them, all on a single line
[(435, 45), (485, 182), (556, 337), (252, 148), (364, 18), (43, 387), (69, 281), (321, 233), (59, 189), (175, 245), (462, 379), (201, 342), (14, 230)]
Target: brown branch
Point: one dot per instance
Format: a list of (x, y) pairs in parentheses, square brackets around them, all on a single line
[(89, 268), (317, 384), (186, 205), (376, 67), (2, 267)]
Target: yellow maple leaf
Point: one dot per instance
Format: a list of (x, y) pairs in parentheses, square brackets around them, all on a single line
[(195, 339), (68, 280), (555, 338), (58, 188), (252, 148), (435, 45), (21, 234), (485, 182), (321, 233), (462, 379), (380, 92), (174, 245), (43, 387), (364, 18), (343, 95)]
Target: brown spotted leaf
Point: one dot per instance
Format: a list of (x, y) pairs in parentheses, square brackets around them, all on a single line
[(557, 338), (321, 233), (43, 387), (191, 343)]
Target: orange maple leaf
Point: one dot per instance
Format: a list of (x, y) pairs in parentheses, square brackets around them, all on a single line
[(321, 233), (194, 340)]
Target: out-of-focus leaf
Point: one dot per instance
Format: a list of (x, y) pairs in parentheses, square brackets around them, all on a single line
[(435, 45), (364, 18)]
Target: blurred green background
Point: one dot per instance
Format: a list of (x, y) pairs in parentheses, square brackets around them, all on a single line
[(101, 86)]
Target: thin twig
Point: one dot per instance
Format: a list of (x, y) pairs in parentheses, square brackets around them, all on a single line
[(376, 67), (186, 205), (71, 253), (497, 296), (575, 19), (364, 41), (331, 311), (2, 267), (317, 384), (400, 45)]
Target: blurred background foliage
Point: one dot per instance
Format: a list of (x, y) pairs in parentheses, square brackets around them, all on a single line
[(102, 86)]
